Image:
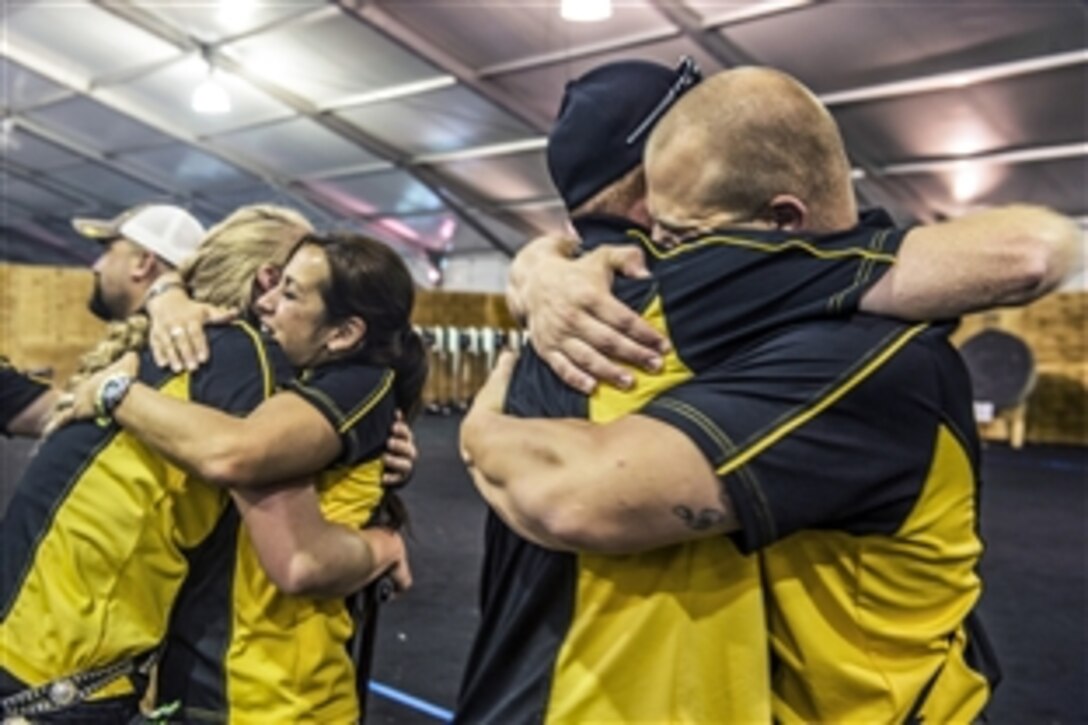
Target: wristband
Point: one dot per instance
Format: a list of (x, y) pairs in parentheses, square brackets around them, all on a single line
[(161, 285)]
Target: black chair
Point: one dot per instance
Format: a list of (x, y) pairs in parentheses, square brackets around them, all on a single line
[(1002, 369), (364, 606)]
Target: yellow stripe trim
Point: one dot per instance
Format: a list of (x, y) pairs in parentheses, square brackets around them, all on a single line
[(308, 390), (834, 396), (696, 416), (262, 356), (760, 247), (316, 394), (864, 270), (369, 403)]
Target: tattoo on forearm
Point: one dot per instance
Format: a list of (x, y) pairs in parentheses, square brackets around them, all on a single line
[(705, 519)]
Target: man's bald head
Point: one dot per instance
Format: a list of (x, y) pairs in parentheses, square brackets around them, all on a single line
[(741, 139)]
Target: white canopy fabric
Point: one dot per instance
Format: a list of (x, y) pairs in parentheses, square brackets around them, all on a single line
[(423, 122)]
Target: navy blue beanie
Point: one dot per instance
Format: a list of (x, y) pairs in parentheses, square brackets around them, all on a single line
[(604, 120)]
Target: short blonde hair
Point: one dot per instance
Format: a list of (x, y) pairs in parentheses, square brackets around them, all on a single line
[(751, 134)]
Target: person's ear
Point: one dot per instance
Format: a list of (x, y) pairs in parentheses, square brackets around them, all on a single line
[(144, 265), (346, 335), (787, 212), (268, 276)]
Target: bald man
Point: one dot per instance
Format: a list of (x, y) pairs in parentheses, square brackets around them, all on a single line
[(1001, 256), (558, 616), (842, 451)]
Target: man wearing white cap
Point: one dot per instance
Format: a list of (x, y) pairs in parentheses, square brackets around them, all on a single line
[(140, 245)]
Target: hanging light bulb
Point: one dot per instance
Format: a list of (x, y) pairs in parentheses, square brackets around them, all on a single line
[(585, 11), (967, 180), (209, 97)]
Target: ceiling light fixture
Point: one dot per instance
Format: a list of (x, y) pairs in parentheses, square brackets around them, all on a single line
[(209, 97), (967, 180), (585, 11)]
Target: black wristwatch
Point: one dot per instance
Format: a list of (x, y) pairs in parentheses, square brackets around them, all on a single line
[(110, 394)]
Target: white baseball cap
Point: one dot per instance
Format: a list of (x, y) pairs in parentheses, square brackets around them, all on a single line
[(167, 231)]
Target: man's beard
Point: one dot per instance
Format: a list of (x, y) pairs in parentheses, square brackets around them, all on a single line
[(97, 304)]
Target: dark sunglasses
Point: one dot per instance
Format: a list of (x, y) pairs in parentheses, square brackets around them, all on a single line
[(687, 75)]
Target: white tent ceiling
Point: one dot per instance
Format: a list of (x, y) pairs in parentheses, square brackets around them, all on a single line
[(424, 121)]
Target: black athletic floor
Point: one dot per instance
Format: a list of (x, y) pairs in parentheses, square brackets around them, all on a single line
[(1034, 605)]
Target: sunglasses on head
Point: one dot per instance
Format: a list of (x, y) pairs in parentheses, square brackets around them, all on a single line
[(687, 75)]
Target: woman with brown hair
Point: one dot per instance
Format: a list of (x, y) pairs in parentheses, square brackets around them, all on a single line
[(260, 628)]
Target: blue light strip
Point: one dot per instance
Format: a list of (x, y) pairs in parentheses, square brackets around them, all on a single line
[(409, 701)]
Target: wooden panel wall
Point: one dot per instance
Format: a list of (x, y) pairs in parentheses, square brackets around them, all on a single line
[(462, 309), (44, 322), (1056, 330)]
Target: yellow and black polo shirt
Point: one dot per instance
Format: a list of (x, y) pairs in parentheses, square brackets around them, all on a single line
[(17, 391), (849, 450), (241, 651), (96, 541), (677, 634)]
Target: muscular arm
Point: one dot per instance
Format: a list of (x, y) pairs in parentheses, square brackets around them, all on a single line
[(1007, 256), (577, 486), (773, 424), (283, 438), (304, 554)]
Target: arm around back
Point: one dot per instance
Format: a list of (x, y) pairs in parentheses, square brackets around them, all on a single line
[(570, 485), (283, 438), (1005, 256), (306, 555), (620, 488), (576, 323)]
